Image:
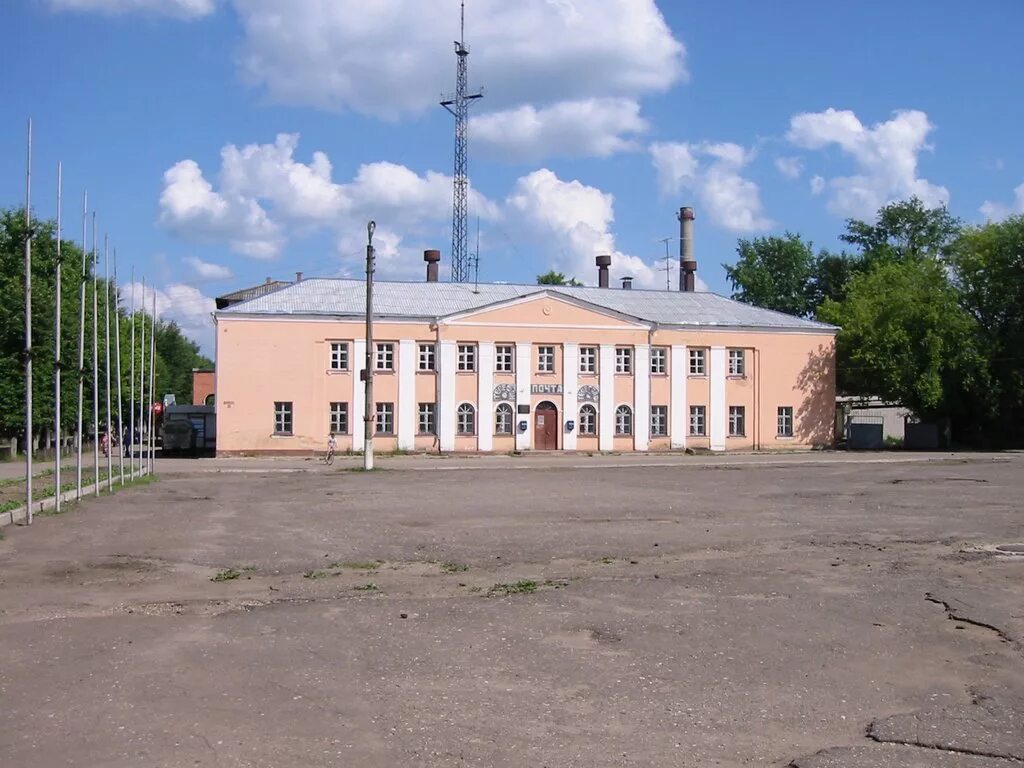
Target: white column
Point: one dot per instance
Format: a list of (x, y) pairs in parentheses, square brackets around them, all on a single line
[(355, 418), (407, 416), (717, 418), (679, 412), (641, 396), (446, 396), (570, 410), (485, 396), (524, 358), (606, 402)]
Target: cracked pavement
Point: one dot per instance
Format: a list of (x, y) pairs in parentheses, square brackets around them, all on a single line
[(814, 614)]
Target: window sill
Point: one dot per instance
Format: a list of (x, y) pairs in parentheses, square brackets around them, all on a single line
[(425, 370), (426, 434), (547, 374), (384, 372), (504, 373), (587, 374), (464, 373), (282, 435), (624, 374), (736, 376), (785, 437), (696, 375), (701, 436), (465, 434), (734, 437), (661, 375), (338, 371), (383, 434)]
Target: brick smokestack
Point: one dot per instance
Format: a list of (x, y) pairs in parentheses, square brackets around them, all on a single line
[(433, 258), (687, 262), (603, 263)]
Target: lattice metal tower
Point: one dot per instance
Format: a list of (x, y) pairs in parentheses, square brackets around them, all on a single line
[(458, 105)]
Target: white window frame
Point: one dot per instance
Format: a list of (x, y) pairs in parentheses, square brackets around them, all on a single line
[(624, 360), (384, 356), (698, 421), (427, 357), (623, 421), (284, 415), (503, 413), (467, 358), (737, 421), (461, 428), (737, 362), (504, 358), (335, 421), (698, 362), (545, 359), (384, 413), (431, 418), (785, 421), (659, 360), (339, 356), (592, 431), (659, 421), (588, 360)]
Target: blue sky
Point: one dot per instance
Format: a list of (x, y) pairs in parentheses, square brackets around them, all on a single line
[(224, 141)]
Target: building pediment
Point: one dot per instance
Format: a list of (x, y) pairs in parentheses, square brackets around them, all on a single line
[(546, 309)]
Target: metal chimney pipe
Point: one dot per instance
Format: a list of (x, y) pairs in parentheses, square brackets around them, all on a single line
[(627, 283), (687, 262), (298, 277), (603, 263), (433, 258)]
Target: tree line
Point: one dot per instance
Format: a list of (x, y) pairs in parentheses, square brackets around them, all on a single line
[(930, 311), (176, 355)]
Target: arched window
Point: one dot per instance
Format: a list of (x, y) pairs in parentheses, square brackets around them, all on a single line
[(467, 419), (209, 400), (623, 420), (588, 420), (503, 419)]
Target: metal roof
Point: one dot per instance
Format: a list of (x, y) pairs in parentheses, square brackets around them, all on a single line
[(244, 294), (346, 297)]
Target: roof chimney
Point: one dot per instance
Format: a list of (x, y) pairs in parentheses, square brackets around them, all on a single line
[(270, 280), (603, 262), (687, 263), (627, 283), (298, 277), (432, 257)]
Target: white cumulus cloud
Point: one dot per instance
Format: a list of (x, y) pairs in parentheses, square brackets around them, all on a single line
[(205, 270), (994, 211), (712, 171), (185, 305), (885, 156), (588, 128), (185, 9), (790, 167)]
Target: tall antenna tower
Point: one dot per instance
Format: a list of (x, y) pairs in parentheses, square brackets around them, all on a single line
[(458, 105)]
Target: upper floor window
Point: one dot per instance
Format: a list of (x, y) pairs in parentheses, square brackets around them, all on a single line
[(659, 360), (428, 357), (467, 357), (737, 421), (623, 420), (339, 356), (785, 421), (282, 418), (623, 359), (588, 359), (737, 362), (504, 358), (466, 419), (546, 359), (503, 419), (697, 362), (384, 359)]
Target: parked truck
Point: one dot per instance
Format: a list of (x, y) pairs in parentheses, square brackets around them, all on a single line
[(189, 430)]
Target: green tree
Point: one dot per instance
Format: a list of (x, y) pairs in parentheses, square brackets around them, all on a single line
[(556, 278), (775, 273), (903, 231), (905, 338), (988, 269), (832, 275)]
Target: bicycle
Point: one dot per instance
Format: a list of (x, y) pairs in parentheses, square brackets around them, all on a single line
[(329, 456)]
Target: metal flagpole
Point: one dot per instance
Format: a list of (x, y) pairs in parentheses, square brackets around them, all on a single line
[(152, 387), (28, 331), (131, 394), (56, 357), (106, 372), (95, 366), (81, 349), (117, 355), (142, 378), (369, 422)]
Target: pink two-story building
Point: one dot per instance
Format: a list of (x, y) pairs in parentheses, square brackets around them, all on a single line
[(496, 368)]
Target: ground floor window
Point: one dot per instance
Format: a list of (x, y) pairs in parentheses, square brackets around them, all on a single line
[(698, 420), (737, 421), (503, 419), (466, 419), (339, 418), (785, 421), (282, 418), (659, 420), (588, 420), (623, 420), (428, 419), (385, 418)]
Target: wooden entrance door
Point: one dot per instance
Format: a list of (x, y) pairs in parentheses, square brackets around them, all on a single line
[(545, 427)]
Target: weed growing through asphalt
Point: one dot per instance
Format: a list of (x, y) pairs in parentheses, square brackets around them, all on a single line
[(521, 587), (607, 560), (358, 565), (317, 574), (368, 587), (228, 574), (451, 567)]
